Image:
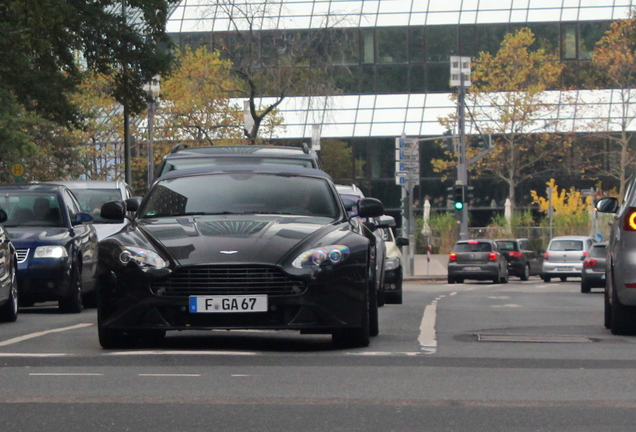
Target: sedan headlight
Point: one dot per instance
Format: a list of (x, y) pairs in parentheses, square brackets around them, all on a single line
[(50, 252), (143, 257), (322, 255), (391, 263)]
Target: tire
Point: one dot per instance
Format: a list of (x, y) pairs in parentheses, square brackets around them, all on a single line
[(451, 280), (497, 279), (563, 278), (585, 288), (354, 337), (608, 307), (504, 279), (460, 280), (374, 319), (526, 273), (89, 300), (72, 303), (9, 311), (622, 317), (545, 278)]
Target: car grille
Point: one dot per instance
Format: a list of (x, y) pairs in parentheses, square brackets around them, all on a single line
[(228, 280), (22, 254)]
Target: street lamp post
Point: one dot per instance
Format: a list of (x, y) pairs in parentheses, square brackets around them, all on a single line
[(152, 89)]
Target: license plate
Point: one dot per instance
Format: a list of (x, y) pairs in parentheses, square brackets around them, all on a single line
[(472, 268), (221, 304), (565, 268)]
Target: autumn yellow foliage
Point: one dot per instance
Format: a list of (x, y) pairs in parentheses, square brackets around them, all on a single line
[(571, 210)]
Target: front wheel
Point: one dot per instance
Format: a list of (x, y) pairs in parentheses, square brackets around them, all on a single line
[(72, 302), (355, 337), (9, 311), (564, 278), (622, 317), (545, 278), (585, 288)]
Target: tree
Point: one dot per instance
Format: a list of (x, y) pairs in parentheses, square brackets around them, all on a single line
[(615, 57), (196, 106), (507, 98), (45, 44), (276, 63)]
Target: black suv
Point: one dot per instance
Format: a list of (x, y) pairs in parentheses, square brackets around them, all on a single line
[(182, 157), (522, 260)]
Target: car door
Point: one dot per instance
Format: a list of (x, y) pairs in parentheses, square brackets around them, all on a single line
[(85, 241)]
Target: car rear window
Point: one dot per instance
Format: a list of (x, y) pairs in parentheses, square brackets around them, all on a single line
[(566, 245), (507, 245), (598, 251), (473, 247)]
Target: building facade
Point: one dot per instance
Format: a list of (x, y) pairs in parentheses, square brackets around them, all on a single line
[(392, 70)]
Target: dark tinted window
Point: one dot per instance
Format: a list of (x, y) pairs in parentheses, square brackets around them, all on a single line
[(241, 193), (92, 200), (473, 247), (507, 245)]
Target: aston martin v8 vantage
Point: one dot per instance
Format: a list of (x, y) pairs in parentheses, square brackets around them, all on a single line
[(239, 247)]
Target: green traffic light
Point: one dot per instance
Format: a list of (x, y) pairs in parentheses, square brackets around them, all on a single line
[(459, 205)]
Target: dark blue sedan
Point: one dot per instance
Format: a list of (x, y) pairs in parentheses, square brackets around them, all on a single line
[(56, 245)]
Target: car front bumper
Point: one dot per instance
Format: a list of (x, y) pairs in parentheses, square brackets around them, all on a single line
[(44, 279)]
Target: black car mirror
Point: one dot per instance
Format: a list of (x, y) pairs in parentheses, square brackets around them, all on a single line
[(607, 205), (133, 204), (82, 217), (370, 208), (402, 241), (114, 210), (3, 216)]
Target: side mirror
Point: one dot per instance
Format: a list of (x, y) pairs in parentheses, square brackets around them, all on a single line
[(385, 221), (607, 205), (370, 208), (82, 217), (114, 210), (133, 204), (402, 241)]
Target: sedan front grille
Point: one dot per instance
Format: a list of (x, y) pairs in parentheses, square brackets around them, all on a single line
[(228, 280), (22, 254)]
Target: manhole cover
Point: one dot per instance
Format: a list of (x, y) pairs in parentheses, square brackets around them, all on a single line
[(533, 338)]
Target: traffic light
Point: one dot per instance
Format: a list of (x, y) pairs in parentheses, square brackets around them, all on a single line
[(470, 193), (458, 197)]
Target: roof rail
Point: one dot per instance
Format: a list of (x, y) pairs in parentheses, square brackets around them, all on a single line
[(305, 148), (178, 147)]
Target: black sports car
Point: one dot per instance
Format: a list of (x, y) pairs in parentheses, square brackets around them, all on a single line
[(239, 247), (8, 275)]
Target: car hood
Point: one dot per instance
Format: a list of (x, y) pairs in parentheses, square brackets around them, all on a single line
[(26, 237), (106, 229), (238, 239)]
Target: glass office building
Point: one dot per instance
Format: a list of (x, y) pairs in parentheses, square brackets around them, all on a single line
[(392, 68)]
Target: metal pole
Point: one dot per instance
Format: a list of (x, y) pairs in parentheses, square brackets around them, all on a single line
[(127, 170), (462, 170), (151, 120)]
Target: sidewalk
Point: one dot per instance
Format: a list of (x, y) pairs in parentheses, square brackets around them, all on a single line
[(429, 270)]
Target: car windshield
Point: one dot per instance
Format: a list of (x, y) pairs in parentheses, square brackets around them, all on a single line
[(92, 200), (473, 247), (507, 245), (566, 245), (242, 193), (31, 209), (198, 162)]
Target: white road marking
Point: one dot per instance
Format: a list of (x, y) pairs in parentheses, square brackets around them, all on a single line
[(170, 375), (499, 297), (33, 354), (131, 353), (64, 374), (42, 333), (428, 336), (506, 306)]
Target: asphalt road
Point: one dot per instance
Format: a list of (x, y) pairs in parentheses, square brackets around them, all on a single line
[(523, 356)]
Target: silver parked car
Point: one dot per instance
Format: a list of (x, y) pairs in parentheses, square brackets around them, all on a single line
[(593, 275), (564, 257), (620, 269)]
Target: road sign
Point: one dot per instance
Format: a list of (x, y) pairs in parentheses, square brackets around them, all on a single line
[(17, 170)]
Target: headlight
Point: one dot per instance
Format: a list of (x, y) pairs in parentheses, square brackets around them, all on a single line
[(391, 263), (143, 257), (50, 252), (322, 255)]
